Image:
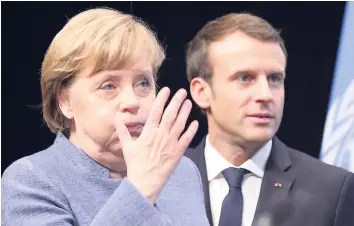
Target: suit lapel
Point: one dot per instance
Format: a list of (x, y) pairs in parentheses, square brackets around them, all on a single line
[(276, 183), (198, 157), (277, 180)]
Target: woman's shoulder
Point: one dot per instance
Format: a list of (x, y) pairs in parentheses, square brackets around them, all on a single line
[(186, 166), (27, 183), (29, 171), (185, 188), (186, 175), (25, 168), (29, 166)]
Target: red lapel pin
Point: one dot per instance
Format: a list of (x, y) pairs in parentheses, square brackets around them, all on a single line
[(278, 185)]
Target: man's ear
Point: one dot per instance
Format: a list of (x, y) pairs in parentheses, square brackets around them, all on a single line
[(65, 103), (200, 92)]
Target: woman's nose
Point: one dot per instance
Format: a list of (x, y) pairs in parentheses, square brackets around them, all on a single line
[(129, 101)]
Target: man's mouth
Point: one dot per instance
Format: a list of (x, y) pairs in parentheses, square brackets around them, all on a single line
[(261, 118)]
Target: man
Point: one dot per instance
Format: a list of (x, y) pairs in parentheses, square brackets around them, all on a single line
[(236, 68)]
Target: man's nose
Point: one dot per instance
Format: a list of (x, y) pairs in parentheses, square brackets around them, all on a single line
[(263, 91)]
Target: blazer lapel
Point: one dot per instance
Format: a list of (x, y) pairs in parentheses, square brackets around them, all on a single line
[(277, 181), (198, 157)]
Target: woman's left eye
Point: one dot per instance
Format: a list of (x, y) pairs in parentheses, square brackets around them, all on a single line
[(108, 86), (144, 83)]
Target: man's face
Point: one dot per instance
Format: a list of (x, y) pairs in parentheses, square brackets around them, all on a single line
[(246, 92)]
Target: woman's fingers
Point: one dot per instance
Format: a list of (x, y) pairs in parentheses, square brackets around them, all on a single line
[(157, 109), (122, 132), (171, 112), (181, 119), (187, 137)]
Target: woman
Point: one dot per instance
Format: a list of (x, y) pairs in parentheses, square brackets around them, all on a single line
[(117, 158)]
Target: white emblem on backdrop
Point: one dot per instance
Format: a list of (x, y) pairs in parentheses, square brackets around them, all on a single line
[(338, 138)]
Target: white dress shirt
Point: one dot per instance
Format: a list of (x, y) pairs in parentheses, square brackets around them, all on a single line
[(251, 184)]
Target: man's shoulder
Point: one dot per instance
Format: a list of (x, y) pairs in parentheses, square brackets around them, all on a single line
[(327, 182), (190, 152), (307, 168), (194, 152)]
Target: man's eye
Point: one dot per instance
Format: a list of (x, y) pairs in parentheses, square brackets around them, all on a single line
[(243, 78), (274, 78)]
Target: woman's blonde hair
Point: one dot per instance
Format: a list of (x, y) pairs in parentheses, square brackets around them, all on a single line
[(100, 38)]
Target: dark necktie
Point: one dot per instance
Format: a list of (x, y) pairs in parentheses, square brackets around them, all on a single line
[(231, 210)]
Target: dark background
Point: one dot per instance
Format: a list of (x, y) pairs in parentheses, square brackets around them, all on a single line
[(311, 31)]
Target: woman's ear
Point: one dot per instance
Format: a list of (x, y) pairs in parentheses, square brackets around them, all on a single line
[(200, 92), (65, 103)]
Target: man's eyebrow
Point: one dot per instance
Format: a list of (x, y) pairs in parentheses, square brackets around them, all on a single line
[(254, 73), (241, 72), (279, 73)]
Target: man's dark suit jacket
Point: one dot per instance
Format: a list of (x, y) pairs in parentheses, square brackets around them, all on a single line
[(313, 193)]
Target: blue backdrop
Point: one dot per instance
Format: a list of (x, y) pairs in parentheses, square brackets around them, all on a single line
[(338, 138)]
